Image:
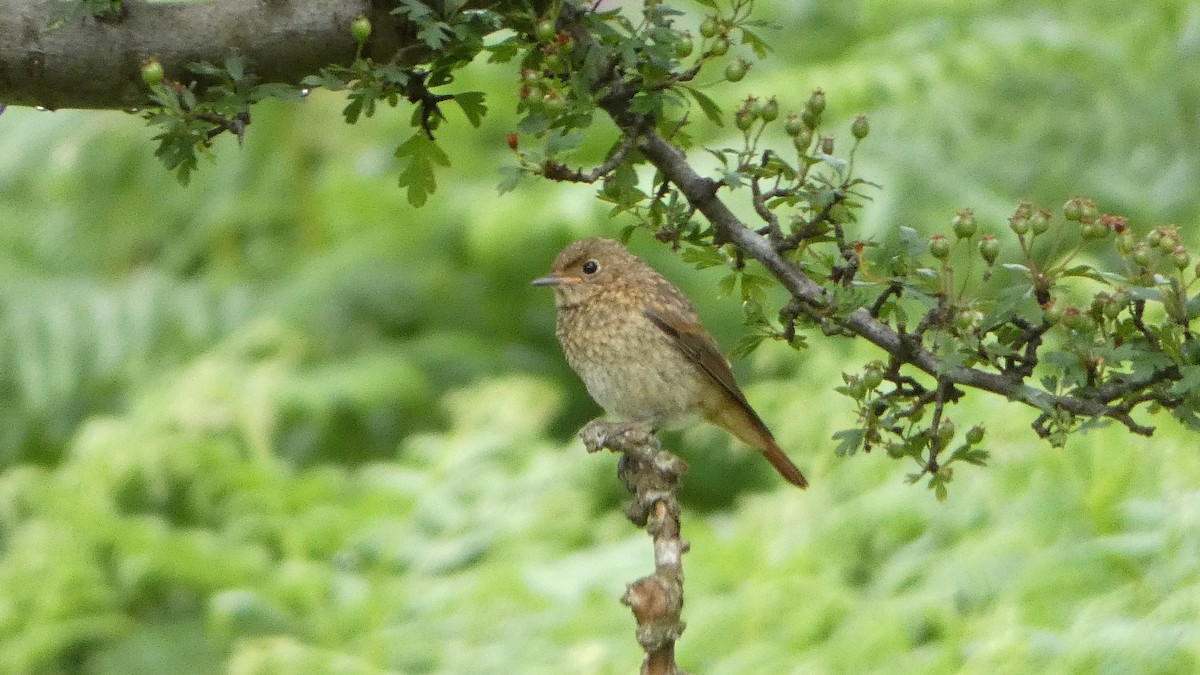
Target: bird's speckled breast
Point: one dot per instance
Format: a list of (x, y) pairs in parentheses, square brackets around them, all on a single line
[(608, 348)]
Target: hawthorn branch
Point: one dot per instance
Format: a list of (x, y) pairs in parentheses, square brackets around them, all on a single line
[(653, 476), (814, 300)]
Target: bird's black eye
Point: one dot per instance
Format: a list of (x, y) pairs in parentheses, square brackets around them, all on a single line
[(591, 267)]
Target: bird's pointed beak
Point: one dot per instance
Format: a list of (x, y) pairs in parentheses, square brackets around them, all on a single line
[(548, 280)]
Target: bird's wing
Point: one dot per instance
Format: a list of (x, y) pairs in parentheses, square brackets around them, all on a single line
[(697, 345)]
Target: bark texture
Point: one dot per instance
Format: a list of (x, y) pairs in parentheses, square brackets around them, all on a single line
[(88, 63)]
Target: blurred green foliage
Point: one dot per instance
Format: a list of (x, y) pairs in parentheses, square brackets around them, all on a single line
[(280, 422)]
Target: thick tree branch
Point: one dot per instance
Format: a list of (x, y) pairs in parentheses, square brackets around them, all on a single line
[(88, 63)]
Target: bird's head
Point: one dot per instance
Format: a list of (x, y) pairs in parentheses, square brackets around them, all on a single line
[(589, 266)]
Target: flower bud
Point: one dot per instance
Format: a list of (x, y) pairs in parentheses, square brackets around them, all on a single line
[(826, 145)]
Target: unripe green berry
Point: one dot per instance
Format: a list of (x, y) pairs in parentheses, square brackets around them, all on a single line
[(1019, 224), (554, 101), (857, 389), (860, 127), (873, 377), (1154, 237), (939, 246), (946, 430), (1019, 221), (1039, 221), (1126, 242), (1053, 312), (552, 62), (152, 72), (803, 139), (720, 47), (1168, 242), (964, 224), (709, 27), (1180, 257), (1080, 209), (684, 45), (989, 248), (545, 30), (1093, 230), (975, 435), (736, 70), (744, 118), (825, 144), (768, 111), (360, 28), (792, 125), (816, 102), (1074, 319), (1141, 255), (1114, 304)]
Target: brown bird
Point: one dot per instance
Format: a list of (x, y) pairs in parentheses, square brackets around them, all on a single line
[(636, 342)]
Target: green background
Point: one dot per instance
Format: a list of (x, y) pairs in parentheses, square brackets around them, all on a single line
[(278, 421)]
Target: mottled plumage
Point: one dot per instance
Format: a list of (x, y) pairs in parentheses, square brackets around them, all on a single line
[(636, 342)]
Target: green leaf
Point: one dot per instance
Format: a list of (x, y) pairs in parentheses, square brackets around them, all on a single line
[(422, 154), (746, 345), (236, 67), (849, 441), (1189, 382), (204, 68), (703, 257), (473, 106), (752, 40), (726, 285), (512, 177), (708, 106)]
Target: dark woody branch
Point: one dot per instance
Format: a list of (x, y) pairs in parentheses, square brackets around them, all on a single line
[(701, 193)]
